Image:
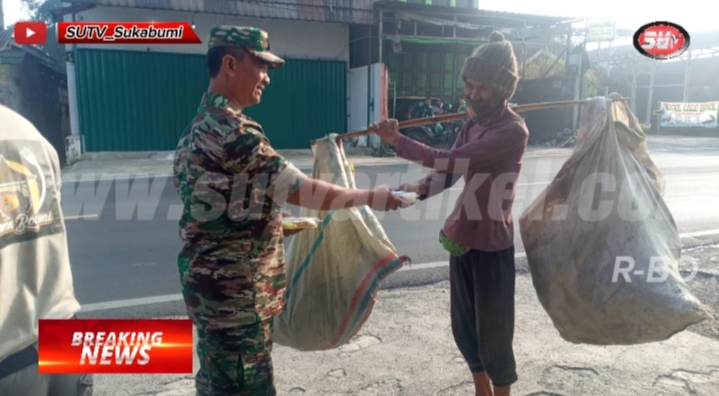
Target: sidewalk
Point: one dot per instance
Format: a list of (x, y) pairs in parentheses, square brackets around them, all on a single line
[(406, 348), (684, 142), (110, 165)]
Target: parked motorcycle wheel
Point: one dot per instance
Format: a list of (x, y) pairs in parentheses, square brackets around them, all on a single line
[(416, 135), (451, 138)]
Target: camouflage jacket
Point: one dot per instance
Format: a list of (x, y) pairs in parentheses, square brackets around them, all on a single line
[(233, 185)]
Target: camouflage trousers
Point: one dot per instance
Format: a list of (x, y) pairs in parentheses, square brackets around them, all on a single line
[(235, 361), (234, 340)]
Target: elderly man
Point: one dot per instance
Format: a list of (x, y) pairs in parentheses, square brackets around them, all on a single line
[(479, 232), (233, 185)]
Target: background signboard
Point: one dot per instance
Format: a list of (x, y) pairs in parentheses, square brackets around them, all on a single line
[(599, 31), (703, 115)]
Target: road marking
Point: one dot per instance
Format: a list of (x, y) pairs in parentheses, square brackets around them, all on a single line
[(87, 216), (410, 267), (534, 183), (67, 179), (131, 303), (83, 179), (518, 185), (699, 233)]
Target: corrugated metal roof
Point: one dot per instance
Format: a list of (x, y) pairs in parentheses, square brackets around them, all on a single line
[(494, 16), (10, 51), (5, 38), (342, 11), (12, 56)]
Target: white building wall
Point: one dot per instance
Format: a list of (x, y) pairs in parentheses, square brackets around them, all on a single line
[(288, 38)]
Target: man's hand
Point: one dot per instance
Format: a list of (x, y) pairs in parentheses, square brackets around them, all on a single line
[(387, 130), (287, 233), (414, 187), (381, 198)]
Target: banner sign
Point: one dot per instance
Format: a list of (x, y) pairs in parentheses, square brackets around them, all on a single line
[(601, 31), (702, 115), (115, 346)]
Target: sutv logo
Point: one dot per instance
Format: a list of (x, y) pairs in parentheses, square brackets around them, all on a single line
[(661, 40)]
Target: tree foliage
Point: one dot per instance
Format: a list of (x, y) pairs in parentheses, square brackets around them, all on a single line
[(543, 67), (37, 9), (591, 82)]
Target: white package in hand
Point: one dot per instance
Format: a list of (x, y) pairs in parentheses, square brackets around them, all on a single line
[(409, 197)]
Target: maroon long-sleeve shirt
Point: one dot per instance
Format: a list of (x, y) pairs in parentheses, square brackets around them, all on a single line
[(490, 159)]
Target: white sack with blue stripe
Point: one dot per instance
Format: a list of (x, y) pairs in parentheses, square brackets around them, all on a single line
[(335, 270)]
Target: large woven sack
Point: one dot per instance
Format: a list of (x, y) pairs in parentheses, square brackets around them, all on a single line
[(334, 271), (578, 233)]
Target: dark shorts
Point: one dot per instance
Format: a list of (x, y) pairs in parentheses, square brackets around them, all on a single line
[(482, 306)]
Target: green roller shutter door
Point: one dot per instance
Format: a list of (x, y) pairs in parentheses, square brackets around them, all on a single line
[(142, 101)]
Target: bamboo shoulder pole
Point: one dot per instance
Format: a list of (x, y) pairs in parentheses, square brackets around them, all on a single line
[(459, 116)]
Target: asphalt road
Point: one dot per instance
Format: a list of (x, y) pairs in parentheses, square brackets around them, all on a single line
[(123, 234)]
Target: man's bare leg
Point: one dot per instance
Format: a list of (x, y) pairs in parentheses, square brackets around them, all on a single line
[(501, 390), (482, 384)]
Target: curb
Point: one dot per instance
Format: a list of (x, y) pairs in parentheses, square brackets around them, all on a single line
[(74, 177)]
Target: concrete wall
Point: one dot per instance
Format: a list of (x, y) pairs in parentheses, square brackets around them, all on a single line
[(288, 38)]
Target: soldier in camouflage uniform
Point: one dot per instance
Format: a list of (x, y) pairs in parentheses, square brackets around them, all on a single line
[(233, 185)]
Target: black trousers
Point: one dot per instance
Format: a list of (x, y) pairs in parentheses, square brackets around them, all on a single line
[(19, 376), (482, 307)]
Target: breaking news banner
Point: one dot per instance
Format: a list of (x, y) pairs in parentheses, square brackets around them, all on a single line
[(126, 33), (115, 346)]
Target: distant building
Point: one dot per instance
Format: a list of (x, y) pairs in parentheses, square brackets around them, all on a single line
[(141, 97), (31, 85)]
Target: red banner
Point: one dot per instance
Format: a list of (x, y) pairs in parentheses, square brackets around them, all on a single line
[(115, 346), (126, 33)]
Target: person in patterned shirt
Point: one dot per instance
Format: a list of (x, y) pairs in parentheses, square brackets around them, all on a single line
[(233, 185)]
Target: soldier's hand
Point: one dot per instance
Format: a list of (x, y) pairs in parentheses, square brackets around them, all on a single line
[(381, 198), (288, 233)]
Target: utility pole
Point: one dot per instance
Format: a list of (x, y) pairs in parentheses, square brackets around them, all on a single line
[(686, 76), (2, 17), (633, 99), (651, 92)]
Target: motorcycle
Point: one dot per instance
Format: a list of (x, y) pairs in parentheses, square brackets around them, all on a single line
[(431, 135), (451, 131)]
